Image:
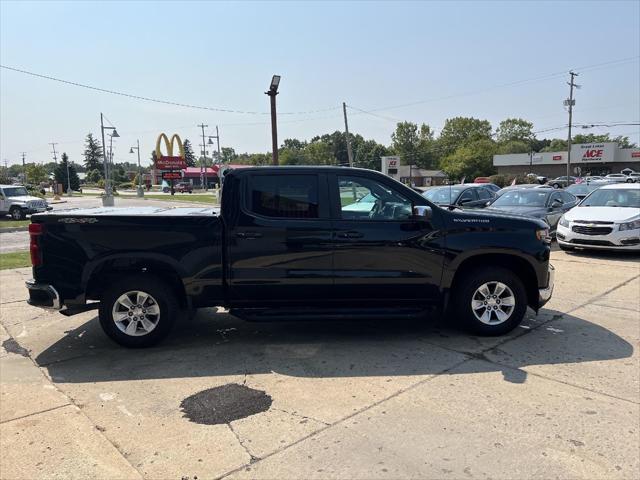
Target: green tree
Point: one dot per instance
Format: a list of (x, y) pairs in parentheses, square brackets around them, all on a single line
[(415, 146), (36, 173), (556, 145), (93, 159), (475, 159), (460, 131), (60, 174), (93, 176), (189, 156), (513, 146), (515, 130), (368, 153), (227, 154), (622, 141)]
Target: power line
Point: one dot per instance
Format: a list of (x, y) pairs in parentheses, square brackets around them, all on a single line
[(157, 100), (509, 84)]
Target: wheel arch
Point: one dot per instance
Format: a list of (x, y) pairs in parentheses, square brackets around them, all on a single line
[(520, 266), (98, 276)]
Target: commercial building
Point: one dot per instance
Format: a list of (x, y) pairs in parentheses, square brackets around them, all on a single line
[(410, 174), (586, 159)]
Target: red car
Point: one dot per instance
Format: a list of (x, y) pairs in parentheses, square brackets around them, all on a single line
[(184, 187)]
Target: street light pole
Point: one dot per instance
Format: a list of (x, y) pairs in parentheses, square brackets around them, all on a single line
[(140, 192), (107, 200), (273, 91)]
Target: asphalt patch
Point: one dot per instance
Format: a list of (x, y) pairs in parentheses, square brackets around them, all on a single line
[(224, 404), (11, 346)]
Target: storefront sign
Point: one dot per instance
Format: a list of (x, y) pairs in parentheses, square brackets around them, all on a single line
[(171, 176), (170, 161), (593, 152)]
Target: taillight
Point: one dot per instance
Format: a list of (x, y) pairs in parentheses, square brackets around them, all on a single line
[(35, 230)]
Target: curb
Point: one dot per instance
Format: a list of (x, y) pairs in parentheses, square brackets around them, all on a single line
[(14, 229)]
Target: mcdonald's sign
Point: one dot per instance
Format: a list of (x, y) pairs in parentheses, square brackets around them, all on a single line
[(170, 161)]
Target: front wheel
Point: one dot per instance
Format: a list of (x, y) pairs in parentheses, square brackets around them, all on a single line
[(139, 311), (556, 185), (17, 213), (491, 301)]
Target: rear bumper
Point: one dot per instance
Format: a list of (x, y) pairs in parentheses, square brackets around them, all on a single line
[(544, 294), (43, 295)]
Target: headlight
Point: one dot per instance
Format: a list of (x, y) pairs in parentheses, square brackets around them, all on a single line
[(635, 225), (564, 222), (543, 235)]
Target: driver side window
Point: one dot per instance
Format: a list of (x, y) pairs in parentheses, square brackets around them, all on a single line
[(365, 199)]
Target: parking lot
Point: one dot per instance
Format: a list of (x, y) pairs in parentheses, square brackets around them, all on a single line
[(557, 398)]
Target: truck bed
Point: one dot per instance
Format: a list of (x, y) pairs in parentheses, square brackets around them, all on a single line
[(78, 243)]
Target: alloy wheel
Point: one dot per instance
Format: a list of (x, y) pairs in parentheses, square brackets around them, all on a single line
[(136, 313), (493, 303)]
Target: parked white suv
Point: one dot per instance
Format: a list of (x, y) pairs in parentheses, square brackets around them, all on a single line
[(608, 218), (16, 201)]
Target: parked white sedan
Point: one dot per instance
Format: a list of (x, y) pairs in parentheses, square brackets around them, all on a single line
[(608, 218)]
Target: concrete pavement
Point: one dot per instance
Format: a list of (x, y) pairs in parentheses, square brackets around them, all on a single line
[(558, 397)]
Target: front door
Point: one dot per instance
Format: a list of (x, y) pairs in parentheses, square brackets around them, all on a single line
[(382, 254), (279, 246)]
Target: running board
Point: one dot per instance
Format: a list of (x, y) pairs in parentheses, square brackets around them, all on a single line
[(327, 314)]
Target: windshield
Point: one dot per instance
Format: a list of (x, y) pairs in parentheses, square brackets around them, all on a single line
[(443, 195), (15, 191), (522, 198), (613, 198)]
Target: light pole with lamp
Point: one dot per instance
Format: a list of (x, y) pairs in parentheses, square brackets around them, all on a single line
[(273, 91), (140, 191), (107, 200)]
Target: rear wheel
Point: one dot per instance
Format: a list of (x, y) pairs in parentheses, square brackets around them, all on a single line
[(556, 185), (491, 301), (139, 311)]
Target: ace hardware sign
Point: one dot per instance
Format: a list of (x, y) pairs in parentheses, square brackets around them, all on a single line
[(594, 152)]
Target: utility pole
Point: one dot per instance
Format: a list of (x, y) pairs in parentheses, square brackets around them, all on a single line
[(346, 130), (68, 180), (55, 157), (570, 103), (203, 176), (24, 169)]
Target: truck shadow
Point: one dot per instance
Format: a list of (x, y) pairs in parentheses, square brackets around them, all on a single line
[(217, 344)]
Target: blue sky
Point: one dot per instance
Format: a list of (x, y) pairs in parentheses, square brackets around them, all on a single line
[(455, 57)]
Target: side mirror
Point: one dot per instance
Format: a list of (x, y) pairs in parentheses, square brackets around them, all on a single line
[(556, 204), (422, 212)]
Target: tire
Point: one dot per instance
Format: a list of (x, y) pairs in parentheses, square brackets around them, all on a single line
[(17, 213), (161, 299), (468, 292), (629, 180), (556, 185)]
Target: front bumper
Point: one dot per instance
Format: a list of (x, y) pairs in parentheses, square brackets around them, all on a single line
[(616, 240), (43, 295), (544, 294)]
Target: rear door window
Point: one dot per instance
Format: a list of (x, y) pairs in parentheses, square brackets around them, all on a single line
[(284, 196)]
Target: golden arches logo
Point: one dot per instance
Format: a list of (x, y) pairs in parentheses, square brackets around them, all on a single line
[(169, 145)]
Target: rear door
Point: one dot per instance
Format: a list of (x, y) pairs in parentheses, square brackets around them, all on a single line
[(383, 256), (279, 247)]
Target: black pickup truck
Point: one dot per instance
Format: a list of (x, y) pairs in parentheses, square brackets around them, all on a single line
[(291, 243)]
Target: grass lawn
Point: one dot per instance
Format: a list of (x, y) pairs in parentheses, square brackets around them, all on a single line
[(185, 197), (15, 260), (13, 223)]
